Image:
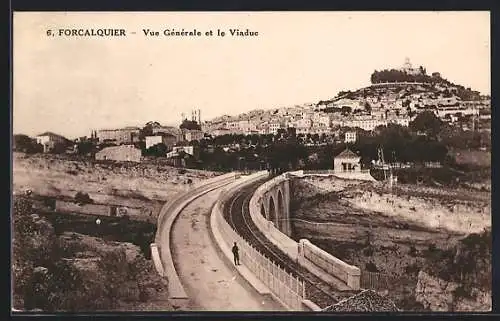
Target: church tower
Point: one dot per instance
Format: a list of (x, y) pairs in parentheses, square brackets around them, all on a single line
[(407, 65)]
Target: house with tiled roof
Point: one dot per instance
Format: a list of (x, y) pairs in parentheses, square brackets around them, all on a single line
[(347, 161), (49, 141)]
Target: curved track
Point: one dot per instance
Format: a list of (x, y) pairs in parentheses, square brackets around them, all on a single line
[(237, 214)]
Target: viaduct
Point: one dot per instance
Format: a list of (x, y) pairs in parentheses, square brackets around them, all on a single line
[(269, 209), (275, 204)]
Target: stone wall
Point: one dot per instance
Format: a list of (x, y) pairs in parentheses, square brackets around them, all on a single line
[(348, 273), (100, 209)]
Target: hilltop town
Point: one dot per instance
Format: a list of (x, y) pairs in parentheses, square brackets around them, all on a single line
[(395, 97)]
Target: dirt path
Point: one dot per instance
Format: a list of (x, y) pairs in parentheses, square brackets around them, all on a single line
[(210, 281)]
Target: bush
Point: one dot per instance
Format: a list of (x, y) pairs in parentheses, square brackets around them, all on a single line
[(50, 203), (83, 198), (412, 269), (371, 267), (24, 143), (462, 292), (115, 267), (61, 285), (33, 246)]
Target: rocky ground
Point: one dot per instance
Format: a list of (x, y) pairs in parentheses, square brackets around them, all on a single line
[(91, 267), (392, 232), (67, 271), (146, 185), (138, 285)]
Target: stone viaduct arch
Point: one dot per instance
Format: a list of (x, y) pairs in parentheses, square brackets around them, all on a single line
[(272, 211), (263, 211), (275, 206), (281, 209)]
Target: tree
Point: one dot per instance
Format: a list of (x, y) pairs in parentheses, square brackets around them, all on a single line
[(24, 143), (147, 130), (84, 148), (426, 122), (190, 124), (346, 110), (157, 150), (60, 148), (368, 107)]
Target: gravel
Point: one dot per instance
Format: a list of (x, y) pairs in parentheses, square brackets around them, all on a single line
[(365, 301)]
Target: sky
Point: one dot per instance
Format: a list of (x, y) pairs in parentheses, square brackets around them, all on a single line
[(72, 85)]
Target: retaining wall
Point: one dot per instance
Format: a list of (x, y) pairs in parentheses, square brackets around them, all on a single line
[(348, 273), (363, 175), (101, 209), (168, 214), (155, 255)]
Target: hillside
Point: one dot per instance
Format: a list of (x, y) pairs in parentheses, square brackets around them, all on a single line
[(405, 91), (146, 185), (67, 271), (432, 246)]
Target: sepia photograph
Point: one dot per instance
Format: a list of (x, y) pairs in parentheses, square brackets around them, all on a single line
[(326, 162)]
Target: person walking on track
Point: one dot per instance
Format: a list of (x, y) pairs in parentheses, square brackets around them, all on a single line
[(236, 254)]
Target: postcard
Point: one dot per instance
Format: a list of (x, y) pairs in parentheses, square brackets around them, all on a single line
[(251, 161)]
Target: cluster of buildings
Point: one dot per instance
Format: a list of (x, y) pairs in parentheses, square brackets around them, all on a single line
[(125, 139), (167, 135), (121, 144), (367, 108), (305, 120)]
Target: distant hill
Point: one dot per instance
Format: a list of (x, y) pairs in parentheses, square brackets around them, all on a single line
[(394, 84), (408, 89), (394, 75)]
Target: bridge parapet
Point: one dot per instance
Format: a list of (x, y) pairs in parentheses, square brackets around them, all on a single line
[(160, 250), (286, 244), (348, 273), (266, 276), (305, 253)]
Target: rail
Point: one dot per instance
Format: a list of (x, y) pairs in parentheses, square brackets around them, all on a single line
[(285, 287), (305, 253), (378, 281)]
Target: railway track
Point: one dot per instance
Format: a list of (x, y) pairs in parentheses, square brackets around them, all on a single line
[(237, 214)]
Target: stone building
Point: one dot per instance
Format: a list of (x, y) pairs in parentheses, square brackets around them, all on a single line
[(122, 153), (409, 69), (166, 139), (350, 137), (193, 134), (119, 136), (50, 140), (347, 161)]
